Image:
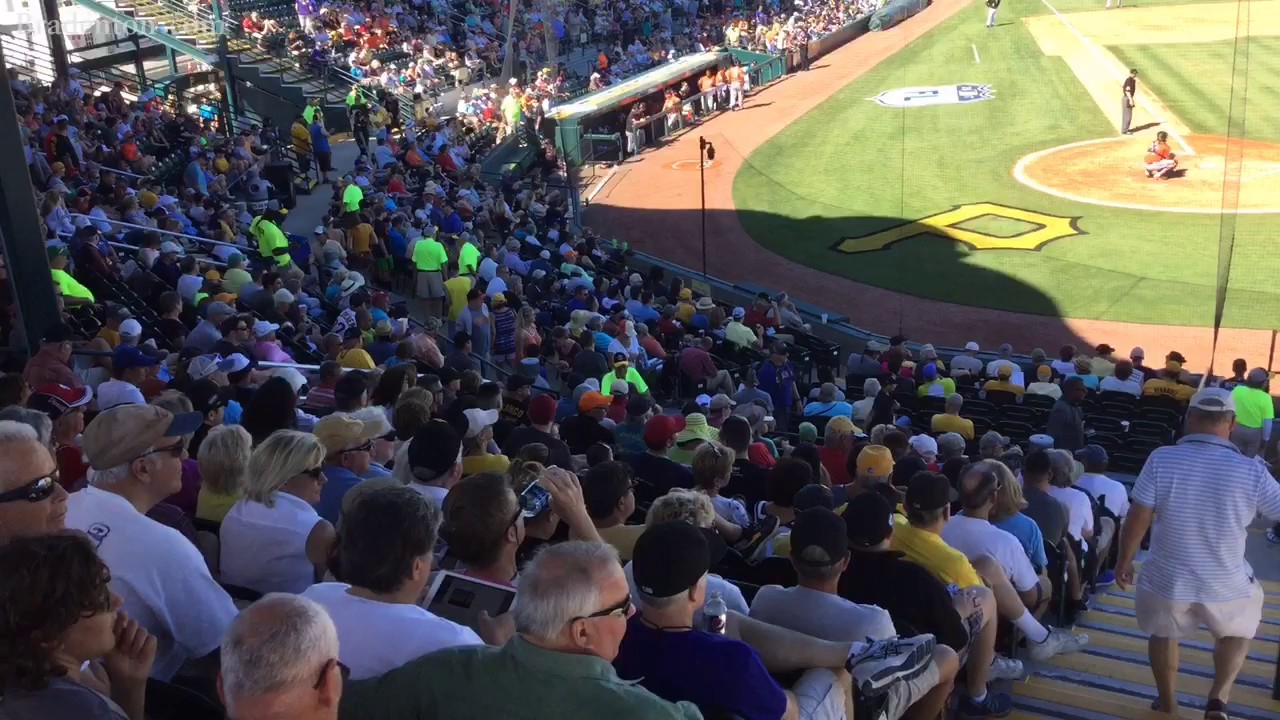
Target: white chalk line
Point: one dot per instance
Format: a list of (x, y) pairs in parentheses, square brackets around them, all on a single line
[(1186, 148), (976, 59), (1020, 174)]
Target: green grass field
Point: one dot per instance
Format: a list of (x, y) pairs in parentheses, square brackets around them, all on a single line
[(851, 167)]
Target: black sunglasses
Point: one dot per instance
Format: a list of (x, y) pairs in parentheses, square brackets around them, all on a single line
[(343, 669), (367, 447), (34, 491), (618, 609), (315, 472), (175, 449)]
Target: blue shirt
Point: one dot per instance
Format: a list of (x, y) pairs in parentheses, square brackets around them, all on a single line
[(397, 243), (319, 141), (642, 313), (603, 341), (778, 381), (383, 156), (1028, 533), (195, 178), (1090, 381), (828, 409), (451, 224), (710, 671), (338, 480)]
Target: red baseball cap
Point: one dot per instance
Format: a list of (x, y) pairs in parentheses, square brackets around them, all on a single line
[(659, 431), (56, 400), (542, 409)]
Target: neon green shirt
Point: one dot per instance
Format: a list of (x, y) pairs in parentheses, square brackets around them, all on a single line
[(468, 259), (633, 378), (351, 198), (309, 113), (429, 255), (270, 239), (70, 286), (1253, 406)]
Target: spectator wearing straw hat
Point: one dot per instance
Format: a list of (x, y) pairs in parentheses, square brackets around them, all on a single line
[(348, 447)]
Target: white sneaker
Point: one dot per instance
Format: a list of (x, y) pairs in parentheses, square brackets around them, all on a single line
[(1059, 642), (884, 662), (1006, 668)]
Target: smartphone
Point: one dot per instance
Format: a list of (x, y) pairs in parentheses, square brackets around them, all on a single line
[(534, 499), (460, 598)]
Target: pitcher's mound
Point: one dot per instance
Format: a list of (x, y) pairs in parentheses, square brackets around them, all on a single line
[(1224, 176)]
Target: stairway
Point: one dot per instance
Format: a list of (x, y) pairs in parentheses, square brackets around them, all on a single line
[(1111, 679)]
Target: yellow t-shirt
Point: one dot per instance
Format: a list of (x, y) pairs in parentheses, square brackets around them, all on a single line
[(1253, 406), (361, 238), (622, 538), (952, 423), (356, 359), (457, 288), (213, 506), (932, 553), (1005, 386), (684, 312), (486, 463), (111, 336), (1169, 388)]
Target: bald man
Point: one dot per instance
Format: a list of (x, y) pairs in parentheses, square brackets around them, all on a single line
[(280, 661)]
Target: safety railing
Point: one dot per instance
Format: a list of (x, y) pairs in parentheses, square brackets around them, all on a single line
[(243, 249)]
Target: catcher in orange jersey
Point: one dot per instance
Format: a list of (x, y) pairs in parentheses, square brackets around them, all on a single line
[(1160, 159)]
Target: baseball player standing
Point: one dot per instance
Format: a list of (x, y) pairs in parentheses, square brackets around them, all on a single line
[(1126, 103), (992, 7)]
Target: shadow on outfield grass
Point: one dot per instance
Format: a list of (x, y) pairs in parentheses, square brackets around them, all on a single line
[(891, 287)]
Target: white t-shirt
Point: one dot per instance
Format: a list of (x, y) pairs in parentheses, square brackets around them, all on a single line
[(159, 574), (375, 637), (1131, 386), (1079, 510), (265, 548), (971, 365), (433, 493), (118, 392), (821, 614), (1117, 497), (975, 537)]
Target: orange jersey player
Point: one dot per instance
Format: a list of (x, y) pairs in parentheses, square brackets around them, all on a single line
[(1160, 160)]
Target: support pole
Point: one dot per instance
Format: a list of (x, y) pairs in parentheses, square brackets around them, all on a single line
[(52, 31)]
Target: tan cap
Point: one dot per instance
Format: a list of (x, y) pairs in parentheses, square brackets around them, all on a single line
[(125, 432), (340, 431)]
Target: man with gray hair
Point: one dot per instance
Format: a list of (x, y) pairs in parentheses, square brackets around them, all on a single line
[(665, 652), (572, 614), (280, 660), (32, 502), (950, 445), (135, 456), (949, 421), (1206, 494)]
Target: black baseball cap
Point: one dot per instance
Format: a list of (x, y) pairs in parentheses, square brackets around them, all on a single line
[(906, 468), (638, 405), (206, 396), (351, 333), (930, 491), (517, 382), (819, 528), (669, 558), (434, 450), (814, 495), (868, 520)]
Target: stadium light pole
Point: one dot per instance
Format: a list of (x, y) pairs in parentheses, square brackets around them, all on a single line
[(706, 152)]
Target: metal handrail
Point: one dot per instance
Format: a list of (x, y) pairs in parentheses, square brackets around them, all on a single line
[(193, 238)]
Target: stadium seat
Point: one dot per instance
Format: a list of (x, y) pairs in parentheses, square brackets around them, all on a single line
[(980, 408), (1038, 401), (1106, 441), (1031, 416), (167, 701), (1018, 432), (1154, 430), (1104, 424), (1000, 398)]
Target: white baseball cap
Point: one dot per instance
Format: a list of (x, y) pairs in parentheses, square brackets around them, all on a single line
[(478, 420), (924, 444), (262, 327), (971, 346), (1214, 400)]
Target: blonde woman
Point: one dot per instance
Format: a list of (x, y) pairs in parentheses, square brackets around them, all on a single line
[(712, 465), (1007, 515), (526, 333), (694, 508), (273, 540), (224, 463)]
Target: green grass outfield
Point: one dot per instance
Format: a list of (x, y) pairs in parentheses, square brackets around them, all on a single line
[(850, 167)]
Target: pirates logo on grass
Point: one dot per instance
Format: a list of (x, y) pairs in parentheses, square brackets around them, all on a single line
[(1022, 229), (941, 95)]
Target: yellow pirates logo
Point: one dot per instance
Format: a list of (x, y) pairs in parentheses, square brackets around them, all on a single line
[(1043, 229)]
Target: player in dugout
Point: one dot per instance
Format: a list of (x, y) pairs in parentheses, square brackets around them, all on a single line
[(1160, 160)]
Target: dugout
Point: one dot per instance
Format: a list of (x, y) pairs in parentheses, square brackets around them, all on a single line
[(603, 112)]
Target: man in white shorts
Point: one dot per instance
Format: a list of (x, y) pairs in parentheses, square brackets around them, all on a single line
[(1204, 494)]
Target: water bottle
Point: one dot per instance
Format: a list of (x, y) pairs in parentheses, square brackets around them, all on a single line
[(714, 614)]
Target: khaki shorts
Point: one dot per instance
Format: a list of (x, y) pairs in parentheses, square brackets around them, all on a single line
[(430, 285), (1166, 618), (902, 695)]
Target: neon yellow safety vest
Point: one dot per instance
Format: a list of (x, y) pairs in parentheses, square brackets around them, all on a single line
[(468, 259), (351, 198), (270, 239), (429, 255), (70, 286)]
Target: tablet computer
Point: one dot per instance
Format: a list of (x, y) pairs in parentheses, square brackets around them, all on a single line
[(460, 598)]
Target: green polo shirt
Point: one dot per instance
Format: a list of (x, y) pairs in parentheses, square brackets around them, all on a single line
[(429, 255), (1253, 406), (518, 681), (272, 242), (309, 113), (351, 198), (468, 259)]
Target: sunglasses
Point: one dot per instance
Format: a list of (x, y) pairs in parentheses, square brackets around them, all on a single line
[(175, 450), (343, 669), (34, 491), (621, 608), (315, 473), (367, 447)]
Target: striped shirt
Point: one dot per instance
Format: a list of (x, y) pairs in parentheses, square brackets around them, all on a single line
[(1205, 495)]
